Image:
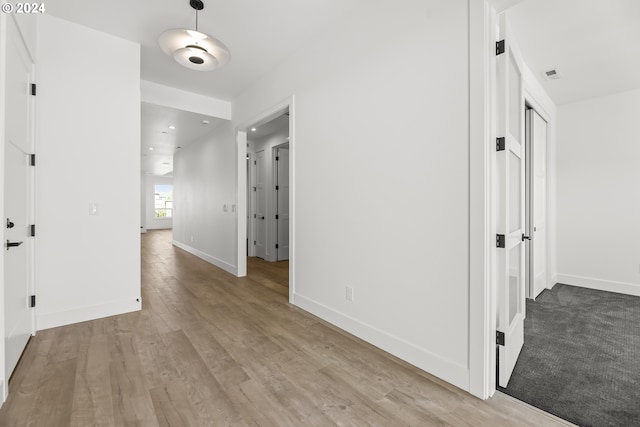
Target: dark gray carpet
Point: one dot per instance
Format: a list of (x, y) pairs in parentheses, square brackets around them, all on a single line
[(581, 357)]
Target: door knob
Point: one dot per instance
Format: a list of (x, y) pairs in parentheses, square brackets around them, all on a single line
[(525, 237), (13, 244), (9, 223)]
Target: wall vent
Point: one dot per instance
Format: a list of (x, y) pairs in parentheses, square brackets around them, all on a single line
[(552, 74)]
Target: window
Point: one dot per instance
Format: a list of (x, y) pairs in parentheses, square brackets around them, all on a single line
[(164, 201)]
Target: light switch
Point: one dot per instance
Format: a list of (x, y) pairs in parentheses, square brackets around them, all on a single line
[(225, 208)]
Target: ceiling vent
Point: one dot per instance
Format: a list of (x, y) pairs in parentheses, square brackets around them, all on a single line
[(552, 74)]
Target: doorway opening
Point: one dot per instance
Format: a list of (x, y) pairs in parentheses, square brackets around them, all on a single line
[(268, 186)]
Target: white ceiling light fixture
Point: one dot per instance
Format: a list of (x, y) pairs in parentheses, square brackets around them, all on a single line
[(193, 49)]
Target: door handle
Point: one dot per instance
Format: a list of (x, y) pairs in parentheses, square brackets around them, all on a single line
[(261, 217), (525, 237), (9, 223), (13, 244)]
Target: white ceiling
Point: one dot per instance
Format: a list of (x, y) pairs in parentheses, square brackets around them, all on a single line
[(155, 133), (594, 44), (260, 34)]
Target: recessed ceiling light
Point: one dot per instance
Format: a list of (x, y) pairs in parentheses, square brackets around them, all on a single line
[(150, 148), (253, 129), (205, 122), (172, 127)]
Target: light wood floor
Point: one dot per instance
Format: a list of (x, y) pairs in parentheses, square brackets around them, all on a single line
[(211, 349)]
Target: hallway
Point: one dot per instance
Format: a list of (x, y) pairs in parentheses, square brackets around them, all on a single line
[(212, 349)]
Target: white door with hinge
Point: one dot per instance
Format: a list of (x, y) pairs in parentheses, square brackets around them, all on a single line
[(510, 225), (261, 206), (536, 136), (18, 179), (282, 203)]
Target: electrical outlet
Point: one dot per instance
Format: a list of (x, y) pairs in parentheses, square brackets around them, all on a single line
[(349, 293)]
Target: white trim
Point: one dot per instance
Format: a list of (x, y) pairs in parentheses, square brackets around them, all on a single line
[(481, 335), (83, 314), (599, 284), (209, 258), (458, 375), (241, 208)]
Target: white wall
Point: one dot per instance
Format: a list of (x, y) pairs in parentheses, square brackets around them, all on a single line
[(267, 144), (151, 222), (598, 204), (204, 181), (88, 151), (381, 150)]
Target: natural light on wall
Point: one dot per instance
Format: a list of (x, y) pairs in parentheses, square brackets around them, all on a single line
[(164, 200)]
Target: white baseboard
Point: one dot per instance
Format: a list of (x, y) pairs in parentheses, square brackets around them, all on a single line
[(601, 285), (210, 259), (83, 314), (450, 372)]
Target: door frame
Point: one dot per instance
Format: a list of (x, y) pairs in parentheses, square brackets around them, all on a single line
[(533, 101), (482, 252), (241, 185)]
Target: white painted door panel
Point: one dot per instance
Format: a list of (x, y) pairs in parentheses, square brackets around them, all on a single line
[(261, 205), (537, 140), (18, 145), (282, 203), (511, 206)]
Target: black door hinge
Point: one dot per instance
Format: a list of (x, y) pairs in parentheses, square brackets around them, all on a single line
[(32, 230), (277, 158), (277, 217), (33, 89), (255, 189), (500, 338), (255, 162), (255, 216), (276, 246), (33, 301), (500, 241), (32, 159), (500, 144), (254, 242), (500, 47), (277, 187)]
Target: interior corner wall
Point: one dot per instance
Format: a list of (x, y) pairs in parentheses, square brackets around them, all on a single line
[(204, 181), (380, 146), (267, 144), (88, 151), (151, 222), (598, 204)]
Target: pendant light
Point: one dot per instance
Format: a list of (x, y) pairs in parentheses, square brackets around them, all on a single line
[(193, 49)]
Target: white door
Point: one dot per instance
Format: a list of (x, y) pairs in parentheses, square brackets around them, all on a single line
[(18, 200), (261, 206), (536, 134), (510, 219), (282, 203)]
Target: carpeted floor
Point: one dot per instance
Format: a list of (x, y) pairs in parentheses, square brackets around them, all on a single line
[(581, 357)]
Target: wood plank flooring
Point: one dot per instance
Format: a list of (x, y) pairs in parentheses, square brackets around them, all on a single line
[(210, 349)]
